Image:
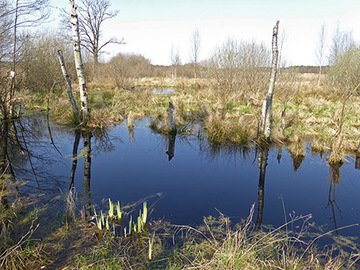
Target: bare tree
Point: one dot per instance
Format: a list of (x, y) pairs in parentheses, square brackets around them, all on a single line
[(342, 41), (320, 49), (195, 50), (283, 36), (6, 24), (175, 60), (92, 15), (265, 127), (239, 66), (85, 113)]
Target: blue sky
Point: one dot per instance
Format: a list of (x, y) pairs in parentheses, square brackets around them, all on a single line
[(152, 27)]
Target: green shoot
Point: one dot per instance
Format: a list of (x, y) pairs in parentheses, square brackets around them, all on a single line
[(144, 216), (118, 210), (139, 224), (111, 209), (130, 225), (107, 224)]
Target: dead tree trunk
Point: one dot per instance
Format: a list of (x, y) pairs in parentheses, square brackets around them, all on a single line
[(85, 113), (265, 128), (68, 85), (172, 118)]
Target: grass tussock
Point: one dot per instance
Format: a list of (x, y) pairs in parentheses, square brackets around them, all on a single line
[(216, 246), (311, 112)]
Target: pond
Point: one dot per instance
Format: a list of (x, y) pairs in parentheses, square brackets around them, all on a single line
[(185, 178), (163, 91)]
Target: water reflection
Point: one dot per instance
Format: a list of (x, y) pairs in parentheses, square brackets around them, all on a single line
[(262, 163), (334, 177), (24, 157), (297, 153), (163, 91), (74, 158), (204, 176), (87, 172), (170, 141), (131, 134), (357, 161), (279, 155)]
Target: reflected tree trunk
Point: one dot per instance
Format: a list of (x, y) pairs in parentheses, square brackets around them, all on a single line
[(49, 128), (334, 176), (131, 134), (87, 172), (262, 163), (279, 155), (75, 158), (171, 146), (28, 155), (357, 161), (15, 138)]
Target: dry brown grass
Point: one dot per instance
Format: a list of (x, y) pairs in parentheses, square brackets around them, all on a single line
[(216, 246), (312, 112)]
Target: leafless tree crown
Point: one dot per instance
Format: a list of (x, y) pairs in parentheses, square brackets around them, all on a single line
[(92, 15)]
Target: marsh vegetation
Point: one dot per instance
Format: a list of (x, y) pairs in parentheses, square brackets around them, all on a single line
[(177, 148)]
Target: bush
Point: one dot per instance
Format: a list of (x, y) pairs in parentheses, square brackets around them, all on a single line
[(240, 67), (39, 67), (124, 68), (344, 74)]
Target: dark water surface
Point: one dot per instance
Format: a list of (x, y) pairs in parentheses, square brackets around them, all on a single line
[(201, 180)]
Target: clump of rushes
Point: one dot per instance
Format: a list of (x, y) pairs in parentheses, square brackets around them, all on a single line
[(111, 222), (220, 129)]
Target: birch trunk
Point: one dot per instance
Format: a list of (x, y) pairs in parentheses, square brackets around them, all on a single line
[(172, 118), (68, 85), (266, 109), (85, 113)]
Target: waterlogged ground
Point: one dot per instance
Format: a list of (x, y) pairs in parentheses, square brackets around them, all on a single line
[(187, 179)]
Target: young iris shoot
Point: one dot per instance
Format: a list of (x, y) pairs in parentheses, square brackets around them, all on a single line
[(106, 221)]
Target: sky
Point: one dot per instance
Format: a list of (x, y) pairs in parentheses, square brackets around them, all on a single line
[(152, 27)]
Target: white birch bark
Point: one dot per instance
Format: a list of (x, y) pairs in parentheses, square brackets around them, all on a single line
[(267, 105), (85, 113), (68, 85), (172, 118)]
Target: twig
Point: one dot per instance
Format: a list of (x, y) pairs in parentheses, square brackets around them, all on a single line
[(23, 239)]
